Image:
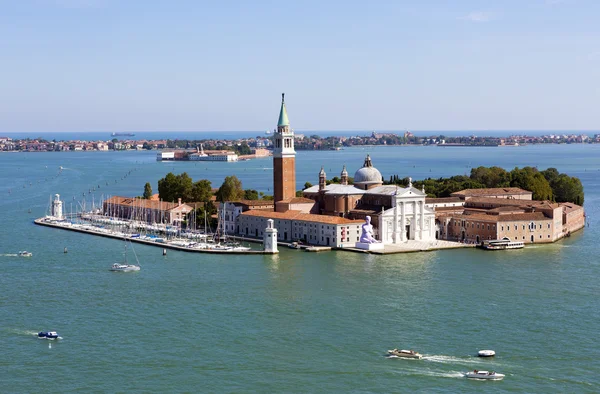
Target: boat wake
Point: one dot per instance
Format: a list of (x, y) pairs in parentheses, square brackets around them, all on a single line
[(9, 255), (18, 331), (467, 360), (435, 374)]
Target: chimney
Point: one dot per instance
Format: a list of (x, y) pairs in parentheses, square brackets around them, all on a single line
[(179, 202)]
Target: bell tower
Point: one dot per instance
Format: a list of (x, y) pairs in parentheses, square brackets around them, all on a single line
[(284, 158)]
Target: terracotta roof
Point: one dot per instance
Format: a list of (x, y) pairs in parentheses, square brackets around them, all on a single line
[(498, 191), (297, 215), (431, 200), (253, 203), (512, 202), (297, 200), (569, 207), (141, 203), (503, 218)]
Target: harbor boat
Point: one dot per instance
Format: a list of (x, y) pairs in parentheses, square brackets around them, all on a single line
[(488, 375), (24, 253), (395, 353), (125, 266), (295, 245), (486, 353), (48, 335), (501, 244)]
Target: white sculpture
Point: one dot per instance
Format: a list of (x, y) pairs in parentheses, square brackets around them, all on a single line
[(367, 232)]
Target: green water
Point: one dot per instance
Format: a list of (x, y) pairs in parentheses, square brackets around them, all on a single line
[(296, 322)]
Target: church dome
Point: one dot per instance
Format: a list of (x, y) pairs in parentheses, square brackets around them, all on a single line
[(368, 174)]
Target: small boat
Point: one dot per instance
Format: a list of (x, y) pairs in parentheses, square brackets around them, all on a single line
[(395, 353), (24, 253), (48, 335), (124, 267), (486, 353), (489, 375), (295, 245)]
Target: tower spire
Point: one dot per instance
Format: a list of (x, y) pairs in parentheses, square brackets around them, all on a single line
[(283, 117)]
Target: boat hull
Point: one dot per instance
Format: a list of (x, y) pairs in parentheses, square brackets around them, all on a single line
[(484, 375)]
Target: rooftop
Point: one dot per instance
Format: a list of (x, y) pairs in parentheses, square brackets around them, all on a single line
[(492, 191), (297, 215)]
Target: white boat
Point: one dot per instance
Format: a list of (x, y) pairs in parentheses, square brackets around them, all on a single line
[(486, 353), (125, 266), (24, 253), (489, 375), (52, 335), (502, 244), (395, 353)]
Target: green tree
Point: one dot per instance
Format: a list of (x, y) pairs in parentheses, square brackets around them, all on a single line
[(147, 191), (173, 187), (531, 179), (250, 194), (550, 174), (567, 189), (230, 190), (201, 191), (307, 185)]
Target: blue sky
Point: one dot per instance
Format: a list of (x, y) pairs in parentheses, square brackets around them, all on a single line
[(158, 65)]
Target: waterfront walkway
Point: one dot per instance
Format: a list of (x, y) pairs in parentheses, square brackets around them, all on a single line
[(412, 246)]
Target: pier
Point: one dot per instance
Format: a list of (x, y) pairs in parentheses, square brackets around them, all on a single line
[(68, 226)]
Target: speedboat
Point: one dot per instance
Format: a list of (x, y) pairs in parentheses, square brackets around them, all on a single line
[(48, 335), (490, 375), (395, 353), (24, 253), (486, 353), (124, 267)]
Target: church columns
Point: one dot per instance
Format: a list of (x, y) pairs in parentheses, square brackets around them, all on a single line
[(422, 230), (402, 221), (414, 221), (395, 234)]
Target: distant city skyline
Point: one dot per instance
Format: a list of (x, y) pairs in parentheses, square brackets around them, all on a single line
[(109, 65)]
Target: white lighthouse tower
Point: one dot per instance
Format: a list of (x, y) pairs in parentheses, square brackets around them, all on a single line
[(57, 210), (270, 238)]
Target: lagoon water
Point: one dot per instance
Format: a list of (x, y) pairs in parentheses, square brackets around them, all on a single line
[(296, 322)]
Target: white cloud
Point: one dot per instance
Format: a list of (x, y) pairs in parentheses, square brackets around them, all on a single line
[(477, 16)]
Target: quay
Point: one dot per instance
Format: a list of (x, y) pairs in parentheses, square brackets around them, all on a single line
[(44, 222)]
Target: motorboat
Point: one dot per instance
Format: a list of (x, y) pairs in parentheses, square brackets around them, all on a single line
[(24, 253), (489, 375), (124, 267), (486, 353), (395, 353), (295, 245), (501, 244), (48, 335)]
